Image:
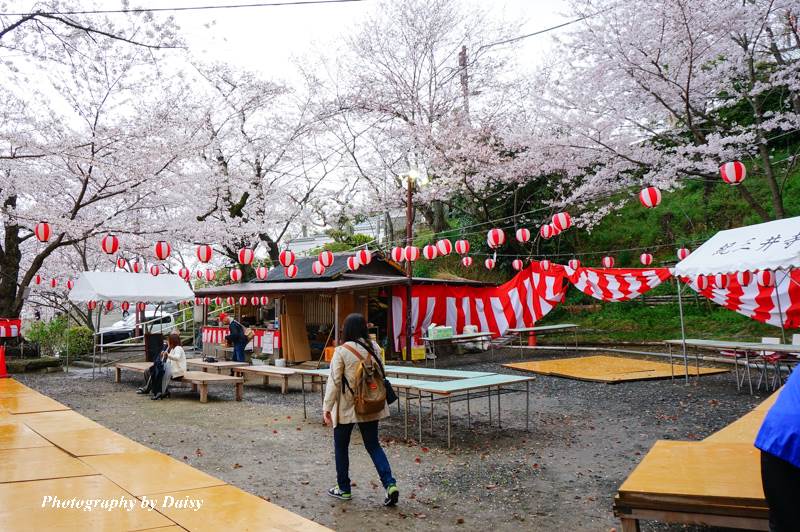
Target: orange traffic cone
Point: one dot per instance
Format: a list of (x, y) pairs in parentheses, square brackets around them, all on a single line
[(3, 372)]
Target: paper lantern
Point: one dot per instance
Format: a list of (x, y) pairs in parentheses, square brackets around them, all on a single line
[(291, 271), (556, 231), (91, 305), (398, 254), (317, 268), (109, 244), (42, 231), (523, 235), (364, 256), (206, 301), (544, 265), (184, 273), (430, 252), (495, 238), (701, 281), (326, 259), (246, 256), (236, 275), (444, 247), (125, 306), (765, 278), (204, 253), (286, 258), (121, 263), (37, 279), (466, 261), (646, 259), (109, 306), (650, 197), (562, 221), (262, 272), (162, 250), (546, 231), (230, 300), (243, 301), (254, 301), (462, 247), (198, 301), (155, 270), (683, 253), (352, 263), (721, 280), (411, 253), (733, 173), (70, 284), (517, 264), (141, 306), (218, 300), (744, 278), (489, 263), (574, 264), (53, 283), (264, 300), (136, 267), (199, 274), (608, 262), (210, 274)]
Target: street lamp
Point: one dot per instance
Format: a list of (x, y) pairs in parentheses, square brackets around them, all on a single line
[(411, 177)]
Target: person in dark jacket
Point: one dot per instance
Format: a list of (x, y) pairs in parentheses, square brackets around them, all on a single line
[(237, 337), (779, 441)]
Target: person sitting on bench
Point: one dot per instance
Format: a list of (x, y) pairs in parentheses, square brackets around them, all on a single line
[(171, 364)]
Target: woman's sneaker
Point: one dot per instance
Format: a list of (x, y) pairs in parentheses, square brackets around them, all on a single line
[(339, 494), (392, 495)]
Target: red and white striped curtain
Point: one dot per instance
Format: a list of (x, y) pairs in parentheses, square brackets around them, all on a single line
[(520, 302), (616, 284), (761, 303), (10, 328)]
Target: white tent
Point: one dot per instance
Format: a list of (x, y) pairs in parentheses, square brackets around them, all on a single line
[(768, 246), (131, 287)]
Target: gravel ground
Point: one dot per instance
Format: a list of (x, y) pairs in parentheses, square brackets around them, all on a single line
[(585, 438)]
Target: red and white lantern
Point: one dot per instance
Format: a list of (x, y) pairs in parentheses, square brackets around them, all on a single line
[(236, 275), (121, 263), (262, 272), (286, 258), (683, 253), (721, 280), (230, 300), (109, 244), (574, 264), (91, 305), (206, 301), (650, 197), (364, 256), (243, 301), (765, 278), (701, 281), (466, 261), (199, 274), (42, 231), (444, 247), (136, 267), (326, 259), (291, 271), (562, 221), (608, 262), (352, 263), (398, 254), (556, 230), (523, 235), (210, 274), (317, 268), (544, 265), (155, 269), (70, 284), (744, 278), (462, 247), (495, 238), (37, 279), (53, 283), (218, 300), (163, 250), (246, 256), (489, 263), (254, 301), (125, 306), (517, 264), (430, 252), (264, 300), (141, 306), (411, 253), (733, 172), (646, 259), (204, 253), (109, 306), (184, 273), (546, 231), (198, 301)]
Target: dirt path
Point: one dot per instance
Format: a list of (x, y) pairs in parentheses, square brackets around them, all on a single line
[(562, 475)]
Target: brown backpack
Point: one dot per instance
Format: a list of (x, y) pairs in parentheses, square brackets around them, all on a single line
[(369, 390)]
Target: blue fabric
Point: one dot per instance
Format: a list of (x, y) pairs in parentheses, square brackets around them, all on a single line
[(341, 444), (237, 332), (780, 433), (238, 352)]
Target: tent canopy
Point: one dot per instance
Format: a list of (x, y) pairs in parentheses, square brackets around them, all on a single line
[(768, 246), (124, 286)]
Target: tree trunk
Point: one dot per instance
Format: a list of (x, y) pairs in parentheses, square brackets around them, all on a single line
[(10, 259), (435, 216), (389, 232), (774, 188)]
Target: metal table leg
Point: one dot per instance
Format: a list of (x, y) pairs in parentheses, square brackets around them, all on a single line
[(489, 395), (448, 421), (671, 367), (499, 426), (527, 404), (469, 416), (405, 413), (419, 415), (303, 388), (431, 413), (747, 371)]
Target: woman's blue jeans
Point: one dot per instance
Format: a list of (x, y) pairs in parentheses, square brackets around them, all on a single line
[(341, 444)]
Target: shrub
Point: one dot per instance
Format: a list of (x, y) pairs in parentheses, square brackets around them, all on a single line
[(78, 342), (48, 335)]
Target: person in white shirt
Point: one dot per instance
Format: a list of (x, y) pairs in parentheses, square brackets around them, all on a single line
[(174, 365)]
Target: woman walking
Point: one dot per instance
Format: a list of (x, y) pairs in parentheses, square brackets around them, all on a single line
[(339, 409)]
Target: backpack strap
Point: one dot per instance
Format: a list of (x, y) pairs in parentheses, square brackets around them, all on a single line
[(354, 351)]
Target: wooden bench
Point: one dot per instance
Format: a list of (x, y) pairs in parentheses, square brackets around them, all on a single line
[(198, 379), (266, 372), (219, 366)]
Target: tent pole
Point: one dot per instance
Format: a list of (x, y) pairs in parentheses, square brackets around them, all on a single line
[(778, 299), (68, 313), (96, 336), (683, 329)]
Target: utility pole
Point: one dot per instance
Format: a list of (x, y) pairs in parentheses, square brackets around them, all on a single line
[(462, 67)]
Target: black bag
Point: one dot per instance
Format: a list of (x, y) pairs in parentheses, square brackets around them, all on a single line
[(391, 396)]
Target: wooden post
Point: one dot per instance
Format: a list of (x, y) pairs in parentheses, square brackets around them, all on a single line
[(336, 318)]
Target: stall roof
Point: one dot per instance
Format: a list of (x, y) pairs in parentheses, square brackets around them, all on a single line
[(767, 246), (124, 286)]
